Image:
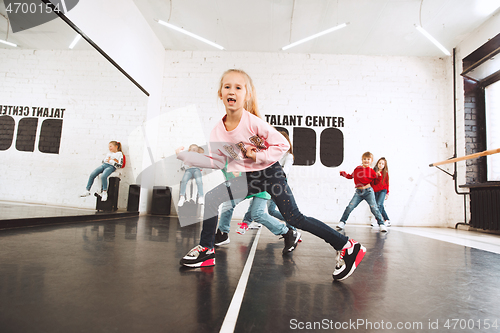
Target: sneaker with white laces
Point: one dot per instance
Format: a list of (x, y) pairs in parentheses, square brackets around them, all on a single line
[(243, 227), (341, 226), (199, 256), (382, 227), (348, 259), (254, 225), (292, 239), (85, 194), (387, 223), (201, 200), (104, 195), (221, 238), (182, 200)]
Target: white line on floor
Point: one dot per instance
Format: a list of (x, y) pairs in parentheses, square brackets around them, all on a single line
[(234, 308)]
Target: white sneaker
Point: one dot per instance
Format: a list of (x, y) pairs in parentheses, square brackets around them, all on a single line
[(85, 194), (181, 201), (374, 224), (341, 226), (387, 223), (383, 228), (254, 225), (201, 200), (104, 195)]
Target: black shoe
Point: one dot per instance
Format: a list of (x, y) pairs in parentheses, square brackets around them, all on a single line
[(199, 256), (221, 238), (292, 238)]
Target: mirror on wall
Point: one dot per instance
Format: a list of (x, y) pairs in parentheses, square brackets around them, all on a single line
[(59, 109)]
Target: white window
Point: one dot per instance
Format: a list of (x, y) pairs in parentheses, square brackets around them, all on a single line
[(492, 104)]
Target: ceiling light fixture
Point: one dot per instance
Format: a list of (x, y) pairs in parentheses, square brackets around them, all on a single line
[(190, 34), (8, 43), (433, 40), (324, 32), (73, 43)]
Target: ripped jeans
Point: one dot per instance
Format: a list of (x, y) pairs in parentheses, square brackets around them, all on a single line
[(363, 194)]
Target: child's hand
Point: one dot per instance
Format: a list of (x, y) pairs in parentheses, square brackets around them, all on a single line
[(343, 173), (252, 153), (379, 174), (386, 196), (236, 173), (178, 150), (114, 159)]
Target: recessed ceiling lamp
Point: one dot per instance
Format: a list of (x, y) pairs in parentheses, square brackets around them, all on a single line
[(73, 43), (8, 43), (190, 34), (324, 32), (433, 40)]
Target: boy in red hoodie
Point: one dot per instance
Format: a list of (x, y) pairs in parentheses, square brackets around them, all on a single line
[(363, 176)]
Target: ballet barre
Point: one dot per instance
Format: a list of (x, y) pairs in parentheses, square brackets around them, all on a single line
[(467, 157)]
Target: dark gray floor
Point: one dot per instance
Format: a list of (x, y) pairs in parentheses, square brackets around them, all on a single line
[(122, 275), (15, 215), (10, 211)]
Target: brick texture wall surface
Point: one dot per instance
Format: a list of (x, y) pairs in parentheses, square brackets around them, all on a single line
[(397, 107), (58, 111)]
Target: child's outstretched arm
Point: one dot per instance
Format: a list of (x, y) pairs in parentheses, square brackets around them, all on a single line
[(346, 175), (215, 161)]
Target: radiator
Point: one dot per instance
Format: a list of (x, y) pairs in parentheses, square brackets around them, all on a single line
[(485, 208)]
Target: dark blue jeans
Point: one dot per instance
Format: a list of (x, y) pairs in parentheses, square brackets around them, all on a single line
[(274, 182), (380, 199)]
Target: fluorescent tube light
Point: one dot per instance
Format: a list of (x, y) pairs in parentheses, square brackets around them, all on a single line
[(73, 43), (190, 34), (8, 43), (324, 32), (433, 40)]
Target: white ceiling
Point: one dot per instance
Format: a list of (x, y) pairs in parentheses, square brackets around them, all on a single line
[(376, 27)]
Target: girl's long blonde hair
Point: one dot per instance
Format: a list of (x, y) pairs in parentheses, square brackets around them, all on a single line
[(251, 103)]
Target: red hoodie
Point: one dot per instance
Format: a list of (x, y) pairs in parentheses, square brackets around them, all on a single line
[(383, 184), (362, 176)]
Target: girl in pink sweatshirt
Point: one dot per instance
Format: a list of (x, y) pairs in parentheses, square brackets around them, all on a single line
[(253, 147)]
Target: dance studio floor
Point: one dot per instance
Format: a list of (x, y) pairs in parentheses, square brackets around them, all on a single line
[(122, 275)]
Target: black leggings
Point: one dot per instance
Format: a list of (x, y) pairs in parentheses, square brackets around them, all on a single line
[(273, 181)]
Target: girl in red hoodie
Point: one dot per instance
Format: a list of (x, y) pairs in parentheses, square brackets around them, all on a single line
[(382, 188)]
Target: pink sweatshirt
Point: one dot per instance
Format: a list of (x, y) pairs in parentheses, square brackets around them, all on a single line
[(232, 146)]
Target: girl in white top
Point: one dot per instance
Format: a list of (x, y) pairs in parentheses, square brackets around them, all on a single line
[(254, 147), (112, 161)]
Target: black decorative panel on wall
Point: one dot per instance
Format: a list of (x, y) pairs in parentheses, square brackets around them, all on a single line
[(7, 126), (304, 146), (26, 134), (50, 136), (282, 129), (331, 151)]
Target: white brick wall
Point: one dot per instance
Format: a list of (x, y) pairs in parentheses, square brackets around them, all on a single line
[(397, 107), (101, 105)]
